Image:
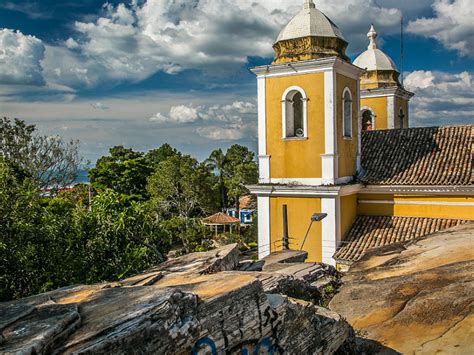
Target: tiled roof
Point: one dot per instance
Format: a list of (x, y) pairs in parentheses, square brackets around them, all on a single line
[(418, 156), (245, 202), (376, 231), (221, 218)]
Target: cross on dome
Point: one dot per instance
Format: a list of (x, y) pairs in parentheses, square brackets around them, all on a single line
[(372, 36), (309, 4)]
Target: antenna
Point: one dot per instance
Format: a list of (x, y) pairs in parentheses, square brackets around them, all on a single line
[(401, 49)]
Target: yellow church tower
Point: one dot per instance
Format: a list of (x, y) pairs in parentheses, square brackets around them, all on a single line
[(384, 101), (309, 138)]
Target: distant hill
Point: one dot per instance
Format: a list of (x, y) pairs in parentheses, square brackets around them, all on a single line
[(82, 176)]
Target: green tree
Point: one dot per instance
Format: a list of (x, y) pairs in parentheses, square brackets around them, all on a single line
[(51, 242), (49, 161), (176, 187), (235, 169), (156, 156), (126, 171), (241, 170), (180, 191), (118, 239), (20, 213), (217, 164), (190, 233)]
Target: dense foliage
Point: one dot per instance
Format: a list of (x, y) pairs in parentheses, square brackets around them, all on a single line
[(47, 243), (137, 208)]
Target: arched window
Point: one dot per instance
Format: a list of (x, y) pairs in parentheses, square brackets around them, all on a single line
[(347, 113), (294, 113), (401, 118), (367, 121)]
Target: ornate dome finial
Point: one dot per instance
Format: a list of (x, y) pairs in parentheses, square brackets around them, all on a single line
[(381, 70), (372, 36), (309, 4)]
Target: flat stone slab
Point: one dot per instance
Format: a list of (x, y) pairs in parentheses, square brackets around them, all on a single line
[(416, 298), (194, 304), (285, 256)]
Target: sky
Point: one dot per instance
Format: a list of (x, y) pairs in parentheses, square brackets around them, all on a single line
[(141, 73)]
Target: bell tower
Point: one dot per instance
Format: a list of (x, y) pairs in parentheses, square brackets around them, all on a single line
[(384, 101), (309, 144)]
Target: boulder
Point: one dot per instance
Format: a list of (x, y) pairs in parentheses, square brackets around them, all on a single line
[(413, 298), (194, 304)]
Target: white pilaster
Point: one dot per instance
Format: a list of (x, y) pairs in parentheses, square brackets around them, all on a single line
[(262, 116), (263, 204), (331, 235), (264, 169), (391, 112), (330, 158)]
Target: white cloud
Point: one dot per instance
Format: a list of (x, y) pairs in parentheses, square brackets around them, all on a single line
[(183, 114), (219, 122), (132, 42), (177, 114), (98, 130), (226, 133), (453, 25), (20, 59), (71, 43), (100, 106), (441, 98), (160, 118), (229, 113)]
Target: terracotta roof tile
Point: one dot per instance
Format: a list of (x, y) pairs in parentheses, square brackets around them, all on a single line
[(419, 156), (376, 231), (221, 218), (245, 201)]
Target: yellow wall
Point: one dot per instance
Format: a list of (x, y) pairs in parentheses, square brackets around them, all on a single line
[(347, 148), (422, 210), (295, 158), (300, 211), (379, 107), (401, 103), (348, 213)]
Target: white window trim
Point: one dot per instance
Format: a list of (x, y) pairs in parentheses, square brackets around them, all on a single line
[(305, 113), (344, 114), (372, 113)]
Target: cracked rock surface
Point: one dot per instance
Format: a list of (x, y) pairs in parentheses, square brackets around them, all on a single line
[(194, 304), (416, 298)]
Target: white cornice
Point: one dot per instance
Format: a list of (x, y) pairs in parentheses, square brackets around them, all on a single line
[(308, 66), (304, 191), (418, 203), (345, 190), (382, 92), (419, 190)]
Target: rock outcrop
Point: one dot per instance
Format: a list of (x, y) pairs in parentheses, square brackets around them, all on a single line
[(194, 304), (415, 298)]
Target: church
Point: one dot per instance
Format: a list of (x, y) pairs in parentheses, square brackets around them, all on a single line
[(341, 171)]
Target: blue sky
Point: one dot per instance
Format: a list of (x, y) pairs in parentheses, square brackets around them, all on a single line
[(145, 72)]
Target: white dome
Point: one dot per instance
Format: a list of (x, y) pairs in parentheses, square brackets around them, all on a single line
[(309, 22), (373, 58)]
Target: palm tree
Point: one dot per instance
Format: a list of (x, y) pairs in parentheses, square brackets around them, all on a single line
[(217, 163)]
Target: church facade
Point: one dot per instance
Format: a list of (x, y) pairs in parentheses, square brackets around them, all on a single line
[(340, 171)]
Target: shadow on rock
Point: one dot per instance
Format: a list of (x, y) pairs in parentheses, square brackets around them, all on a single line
[(363, 346)]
